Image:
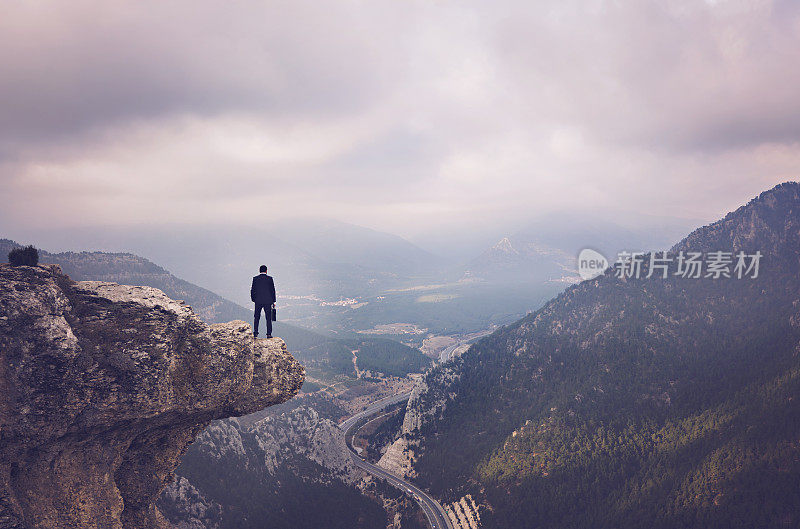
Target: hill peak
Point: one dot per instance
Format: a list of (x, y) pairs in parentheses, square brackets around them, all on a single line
[(768, 223), (505, 246)]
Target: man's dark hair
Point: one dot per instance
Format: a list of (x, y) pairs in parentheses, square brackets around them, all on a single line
[(262, 268), (27, 256)]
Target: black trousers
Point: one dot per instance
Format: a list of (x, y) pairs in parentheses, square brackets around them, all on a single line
[(267, 314)]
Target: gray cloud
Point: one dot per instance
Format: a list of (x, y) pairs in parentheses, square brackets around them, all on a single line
[(65, 68), (397, 115), (684, 75)]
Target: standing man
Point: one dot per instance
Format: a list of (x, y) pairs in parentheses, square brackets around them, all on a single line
[(263, 295)]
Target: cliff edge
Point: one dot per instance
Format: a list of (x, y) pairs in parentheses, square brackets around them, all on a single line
[(103, 387)]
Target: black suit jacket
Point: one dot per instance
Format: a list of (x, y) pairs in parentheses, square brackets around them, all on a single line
[(263, 290)]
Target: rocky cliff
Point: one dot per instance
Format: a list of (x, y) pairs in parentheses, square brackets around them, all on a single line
[(273, 441), (102, 388), (428, 402)]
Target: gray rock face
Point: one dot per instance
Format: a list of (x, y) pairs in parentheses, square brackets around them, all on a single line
[(303, 432), (186, 508), (429, 399), (298, 435), (102, 388), (234, 461)]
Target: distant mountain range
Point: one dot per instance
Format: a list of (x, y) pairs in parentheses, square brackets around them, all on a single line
[(335, 277), (337, 242), (629, 402), (326, 356), (546, 250), (129, 269), (521, 261), (319, 257)]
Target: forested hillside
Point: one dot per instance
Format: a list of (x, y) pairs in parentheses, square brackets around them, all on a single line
[(631, 402)]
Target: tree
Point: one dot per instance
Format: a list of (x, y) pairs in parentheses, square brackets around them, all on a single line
[(24, 256)]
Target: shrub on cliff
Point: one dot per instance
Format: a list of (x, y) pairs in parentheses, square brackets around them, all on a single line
[(27, 255)]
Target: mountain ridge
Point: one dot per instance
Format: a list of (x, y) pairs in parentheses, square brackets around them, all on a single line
[(631, 358)]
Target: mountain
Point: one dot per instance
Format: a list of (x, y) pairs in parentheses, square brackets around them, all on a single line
[(342, 243), (521, 261), (633, 402), (546, 249)]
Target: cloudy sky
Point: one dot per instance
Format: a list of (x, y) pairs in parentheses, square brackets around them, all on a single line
[(407, 116)]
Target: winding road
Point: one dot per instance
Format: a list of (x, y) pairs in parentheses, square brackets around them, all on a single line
[(448, 353), (434, 512)]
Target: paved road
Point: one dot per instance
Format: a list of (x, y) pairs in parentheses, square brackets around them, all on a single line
[(432, 509), (373, 408), (447, 354)]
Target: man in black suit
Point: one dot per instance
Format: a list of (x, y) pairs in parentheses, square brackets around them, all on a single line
[(263, 295)]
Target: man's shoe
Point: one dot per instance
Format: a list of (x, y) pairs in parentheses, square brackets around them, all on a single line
[(269, 336), (255, 335)]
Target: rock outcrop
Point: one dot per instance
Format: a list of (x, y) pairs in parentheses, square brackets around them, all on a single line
[(304, 432), (299, 436), (427, 403), (186, 508), (268, 472), (102, 388)]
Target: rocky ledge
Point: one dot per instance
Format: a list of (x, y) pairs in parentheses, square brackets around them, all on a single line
[(103, 387)]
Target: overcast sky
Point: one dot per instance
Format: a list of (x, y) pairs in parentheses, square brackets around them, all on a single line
[(405, 116)]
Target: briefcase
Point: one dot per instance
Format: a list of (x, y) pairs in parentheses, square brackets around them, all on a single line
[(274, 314)]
